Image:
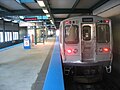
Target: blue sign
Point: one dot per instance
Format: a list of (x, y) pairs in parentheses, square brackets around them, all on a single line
[(26, 42)]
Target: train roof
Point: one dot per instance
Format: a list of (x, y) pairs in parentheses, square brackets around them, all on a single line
[(83, 16)]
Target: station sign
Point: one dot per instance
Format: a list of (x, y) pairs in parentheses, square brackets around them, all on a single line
[(30, 19), (87, 19)]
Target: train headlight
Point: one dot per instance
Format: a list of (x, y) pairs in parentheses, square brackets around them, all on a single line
[(69, 51), (100, 50), (106, 21), (67, 22), (103, 21), (75, 51), (106, 49)]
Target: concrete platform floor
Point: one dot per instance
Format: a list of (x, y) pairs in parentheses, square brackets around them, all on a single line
[(19, 68)]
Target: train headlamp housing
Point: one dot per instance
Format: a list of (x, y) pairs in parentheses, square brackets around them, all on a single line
[(105, 49), (106, 21), (102, 21), (71, 51), (75, 51), (67, 22)]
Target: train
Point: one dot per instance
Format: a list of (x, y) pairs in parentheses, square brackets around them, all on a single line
[(86, 45)]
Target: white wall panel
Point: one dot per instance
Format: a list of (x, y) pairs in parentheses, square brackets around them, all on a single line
[(109, 9)]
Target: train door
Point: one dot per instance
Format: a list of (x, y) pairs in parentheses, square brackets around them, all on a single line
[(87, 42), (71, 40)]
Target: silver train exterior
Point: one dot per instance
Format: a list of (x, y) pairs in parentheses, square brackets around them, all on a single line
[(86, 41)]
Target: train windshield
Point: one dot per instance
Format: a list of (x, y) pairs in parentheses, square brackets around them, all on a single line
[(71, 34), (103, 33)]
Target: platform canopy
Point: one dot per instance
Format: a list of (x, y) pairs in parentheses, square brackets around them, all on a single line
[(55, 10)]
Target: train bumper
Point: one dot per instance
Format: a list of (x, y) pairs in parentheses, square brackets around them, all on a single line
[(78, 63)]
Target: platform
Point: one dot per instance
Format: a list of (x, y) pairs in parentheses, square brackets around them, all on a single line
[(54, 78), (19, 68)]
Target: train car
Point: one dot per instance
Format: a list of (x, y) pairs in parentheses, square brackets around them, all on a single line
[(86, 44)]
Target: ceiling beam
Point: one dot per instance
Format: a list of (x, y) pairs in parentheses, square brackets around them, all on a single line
[(26, 7), (69, 11), (49, 9), (22, 13), (74, 6), (57, 24), (22, 3), (98, 4), (40, 12), (5, 9), (59, 19)]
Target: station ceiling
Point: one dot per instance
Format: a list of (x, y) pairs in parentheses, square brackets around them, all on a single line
[(58, 9)]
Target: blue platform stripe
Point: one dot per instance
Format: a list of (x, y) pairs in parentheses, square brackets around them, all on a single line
[(6, 48), (54, 78)]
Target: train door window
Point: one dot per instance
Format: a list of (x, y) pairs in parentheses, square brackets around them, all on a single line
[(86, 33), (103, 33), (71, 34)]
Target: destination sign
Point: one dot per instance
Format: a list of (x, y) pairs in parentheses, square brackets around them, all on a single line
[(87, 19)]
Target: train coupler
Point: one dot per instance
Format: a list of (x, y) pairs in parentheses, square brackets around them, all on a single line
[(108, 69)]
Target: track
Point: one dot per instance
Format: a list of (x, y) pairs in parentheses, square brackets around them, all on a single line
[(105, 84)]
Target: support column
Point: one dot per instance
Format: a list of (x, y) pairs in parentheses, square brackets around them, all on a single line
[(35, 34)]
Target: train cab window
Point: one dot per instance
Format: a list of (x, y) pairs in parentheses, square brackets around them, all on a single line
[(71, 34), (86, 33), (103, 33)]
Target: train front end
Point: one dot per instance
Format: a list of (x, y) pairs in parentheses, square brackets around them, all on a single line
[(86, 42)]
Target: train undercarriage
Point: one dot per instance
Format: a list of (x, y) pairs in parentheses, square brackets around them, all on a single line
[(86, 74)]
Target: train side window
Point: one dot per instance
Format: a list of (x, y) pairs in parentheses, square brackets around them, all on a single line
[(103, 33), (71, 34), (86, 33)]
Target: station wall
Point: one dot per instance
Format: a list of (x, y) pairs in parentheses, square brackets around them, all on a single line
[(116, 42), (9, 33)]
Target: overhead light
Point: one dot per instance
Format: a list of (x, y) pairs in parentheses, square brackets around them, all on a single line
[(41, 3), (21, 17), (51, 21), (7, 19), (45, 10), (15, 21), (48, 15)]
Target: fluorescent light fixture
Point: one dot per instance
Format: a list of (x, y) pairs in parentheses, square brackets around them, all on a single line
[(21, 17), (7, 19), (41, 3), (51, 21), (45, 10), (48, 15), (15, 21)]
